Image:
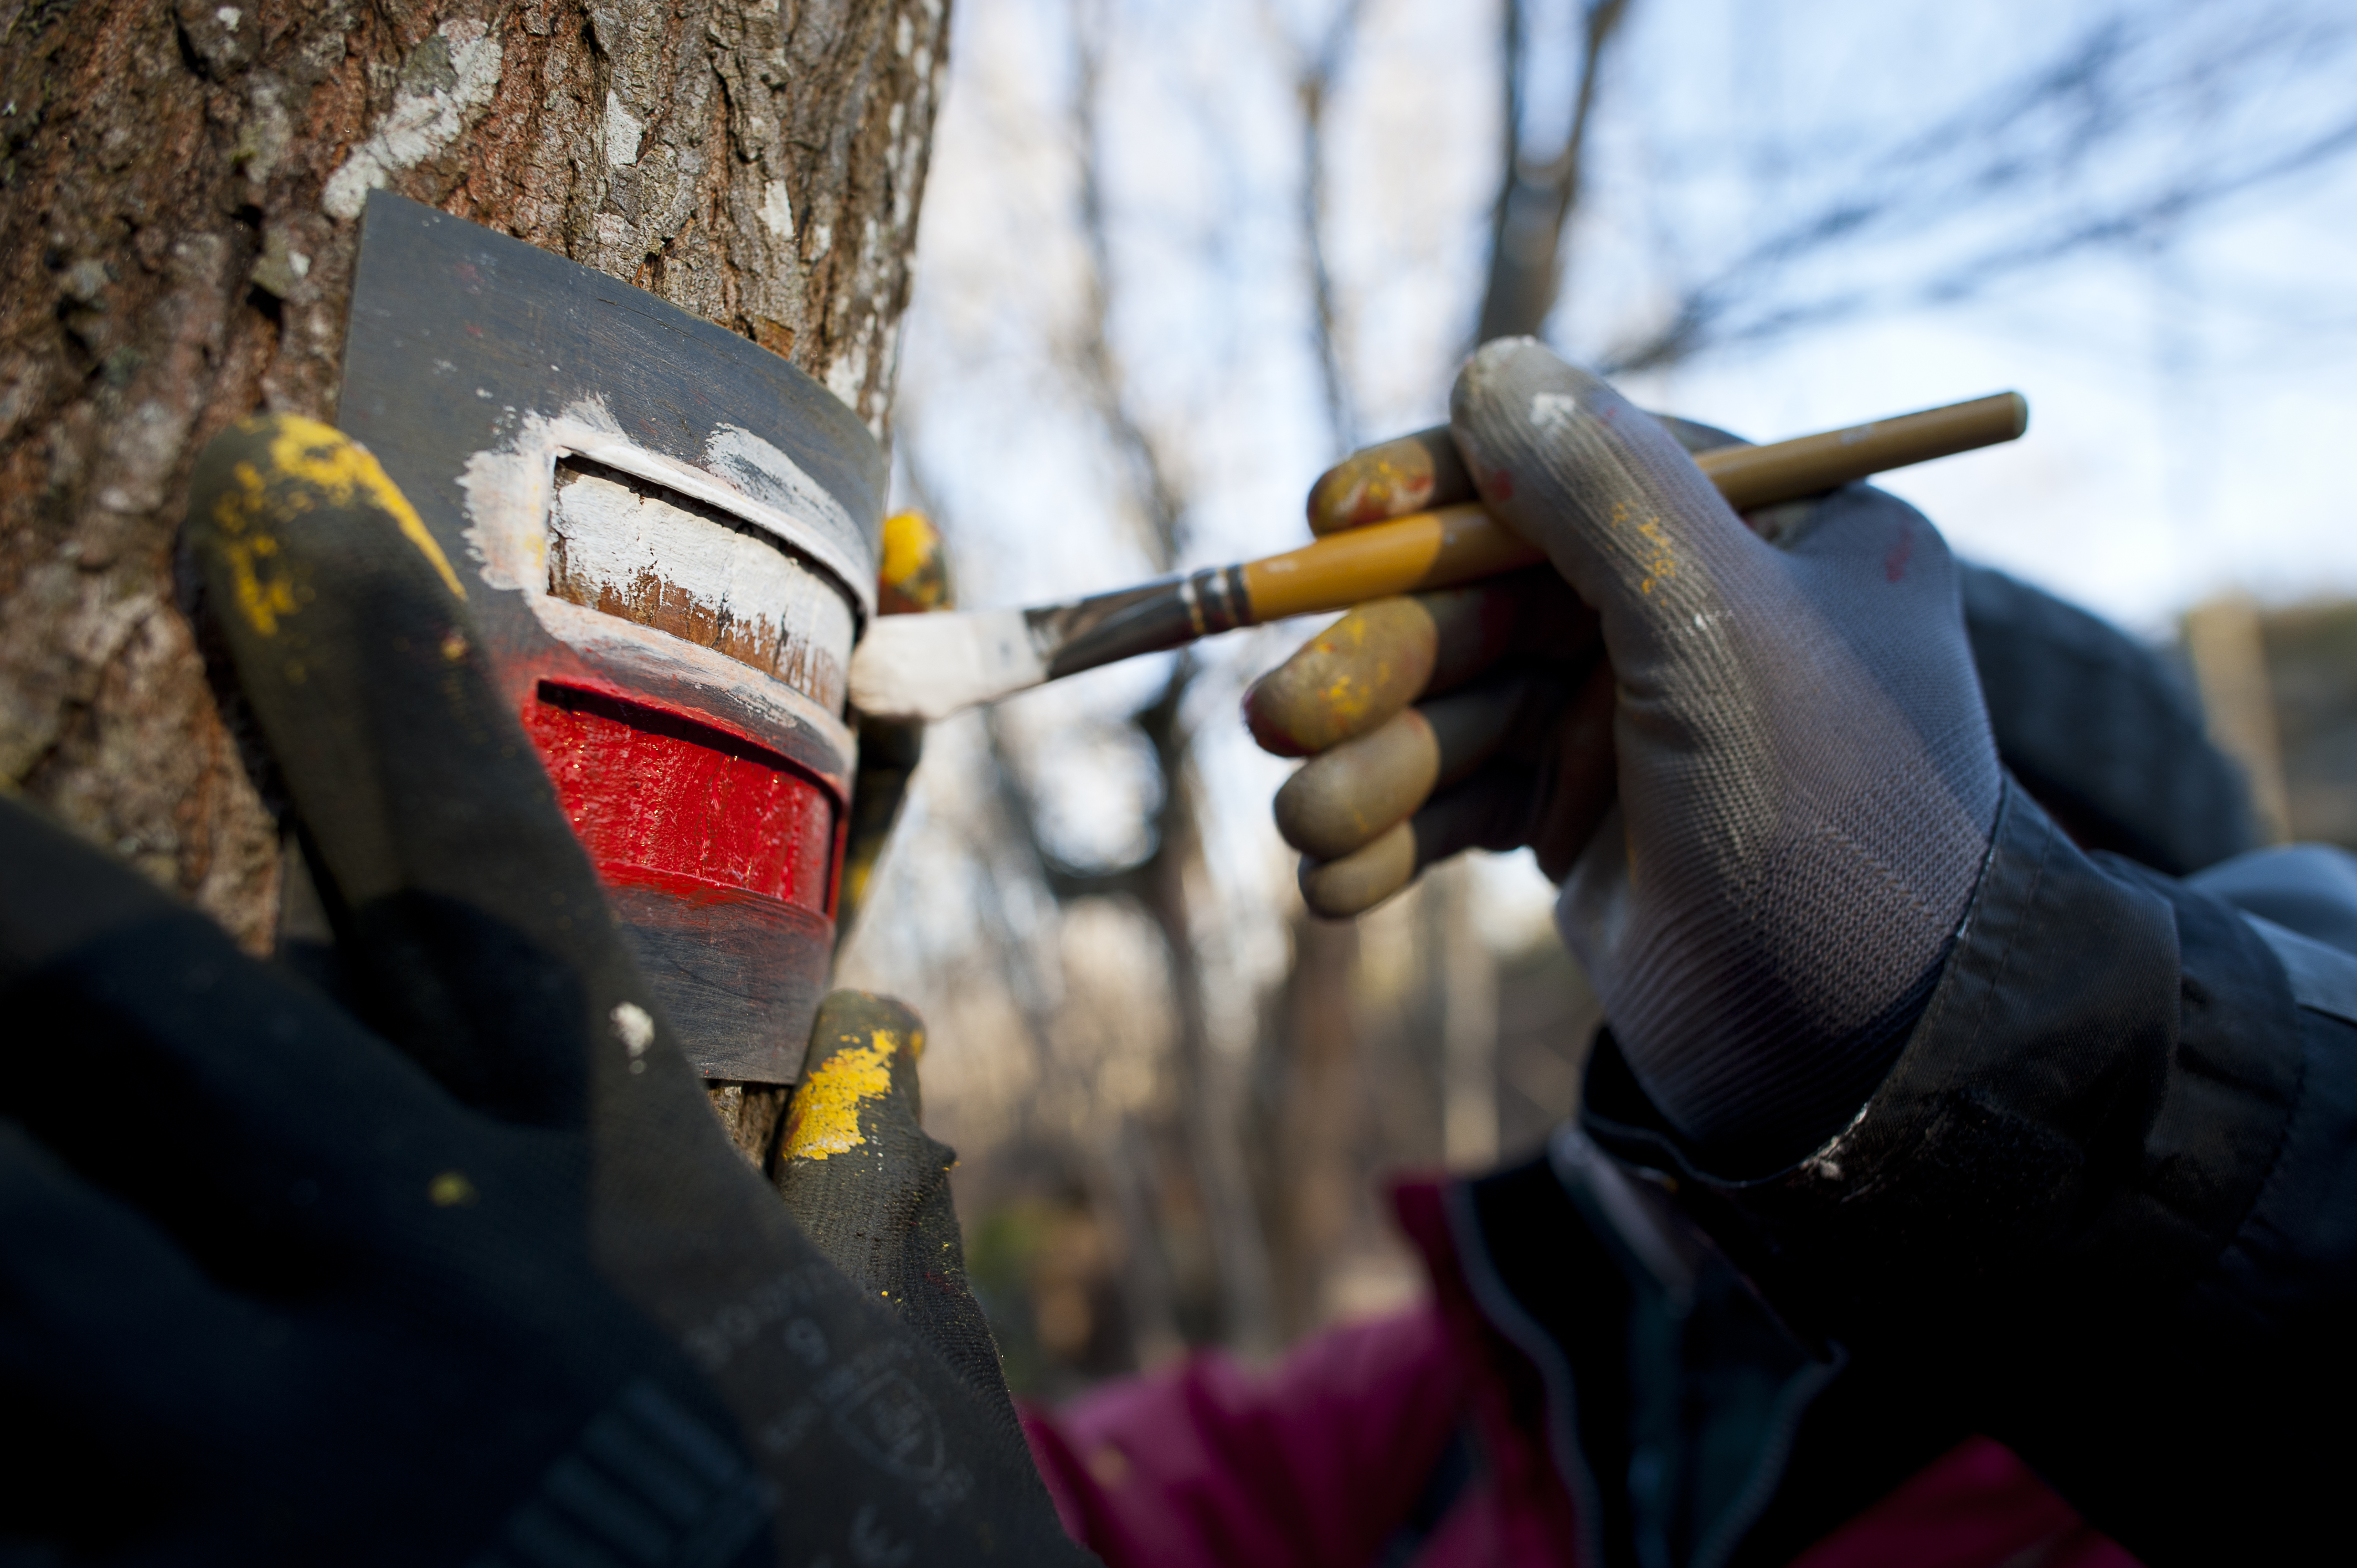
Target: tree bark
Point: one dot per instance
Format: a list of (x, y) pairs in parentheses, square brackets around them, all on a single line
[(180, 187)]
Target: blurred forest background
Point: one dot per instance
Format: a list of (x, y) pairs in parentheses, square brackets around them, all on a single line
[(1178, 256)]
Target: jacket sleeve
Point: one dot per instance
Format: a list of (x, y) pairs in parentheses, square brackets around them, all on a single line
[(2106, 1198)]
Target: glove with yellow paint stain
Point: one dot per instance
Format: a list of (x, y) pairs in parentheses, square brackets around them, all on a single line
[(871, 1190), (1756, 758), (914, 579), (453, 1264)]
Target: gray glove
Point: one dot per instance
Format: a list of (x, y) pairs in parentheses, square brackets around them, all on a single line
[(1806, 779)]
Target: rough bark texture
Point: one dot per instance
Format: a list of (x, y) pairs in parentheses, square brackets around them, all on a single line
[(181, 185)]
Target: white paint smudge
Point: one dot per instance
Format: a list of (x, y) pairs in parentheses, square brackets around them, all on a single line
[(419, 125), (230, 16), (1552, 411), (634, 1028)]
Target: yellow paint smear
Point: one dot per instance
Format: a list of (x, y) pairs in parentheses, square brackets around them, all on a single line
[(344, 471), (247, 546), (823, 1118)]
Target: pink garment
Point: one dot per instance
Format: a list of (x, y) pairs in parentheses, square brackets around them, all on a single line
[(1310, 1465), (1318, 1462)]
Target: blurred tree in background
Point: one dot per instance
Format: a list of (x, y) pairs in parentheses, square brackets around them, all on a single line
[(1180, 258)]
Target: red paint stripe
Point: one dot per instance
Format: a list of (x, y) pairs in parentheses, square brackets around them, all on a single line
[(649, 789)]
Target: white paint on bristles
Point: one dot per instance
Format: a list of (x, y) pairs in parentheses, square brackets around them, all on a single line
[(931, 666)]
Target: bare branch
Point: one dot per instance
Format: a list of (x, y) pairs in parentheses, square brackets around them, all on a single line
[(1314, 72), (2037, 135), (1536, 199), (1160, 500)]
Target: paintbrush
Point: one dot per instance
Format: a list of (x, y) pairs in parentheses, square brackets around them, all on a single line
[(931, 666)]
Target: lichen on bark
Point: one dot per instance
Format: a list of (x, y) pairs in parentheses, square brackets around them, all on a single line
[(180, 182)]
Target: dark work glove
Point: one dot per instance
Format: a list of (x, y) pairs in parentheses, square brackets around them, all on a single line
[(867, 1186), (462, 1269)]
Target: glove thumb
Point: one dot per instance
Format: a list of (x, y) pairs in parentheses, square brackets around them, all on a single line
[(1601, 486), (867, 1186)]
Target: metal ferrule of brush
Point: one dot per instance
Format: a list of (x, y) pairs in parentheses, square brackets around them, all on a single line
[(1145, 620), (1216, 600)]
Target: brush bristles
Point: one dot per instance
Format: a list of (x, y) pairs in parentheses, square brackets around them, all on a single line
[(931, 666)]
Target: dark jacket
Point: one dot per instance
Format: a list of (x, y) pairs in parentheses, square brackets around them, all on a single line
[(2103, 1211), (2103, 1207)]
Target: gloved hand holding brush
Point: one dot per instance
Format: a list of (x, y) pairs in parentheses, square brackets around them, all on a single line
[(1761, 771)]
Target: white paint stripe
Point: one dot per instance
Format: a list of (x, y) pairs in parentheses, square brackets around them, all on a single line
[(735, 694)]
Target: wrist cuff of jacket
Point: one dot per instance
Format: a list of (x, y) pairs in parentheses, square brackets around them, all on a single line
[(2090, 1100)]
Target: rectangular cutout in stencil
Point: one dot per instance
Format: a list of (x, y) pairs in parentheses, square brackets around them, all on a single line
[(643, 552)]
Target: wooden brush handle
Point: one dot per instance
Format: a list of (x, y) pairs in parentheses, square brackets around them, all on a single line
[(1463, 543)]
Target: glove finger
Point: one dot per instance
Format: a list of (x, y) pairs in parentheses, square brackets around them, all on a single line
[(871, 1190), (1393, 479), (1489, 810), (1603, 488), (474, 931), (913, 580), (1360, 672), (1347, 796)]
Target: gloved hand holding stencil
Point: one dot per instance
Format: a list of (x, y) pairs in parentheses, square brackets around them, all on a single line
[(455, 1264)]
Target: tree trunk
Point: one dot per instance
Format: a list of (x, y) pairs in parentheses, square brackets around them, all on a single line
[(180, 187)]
